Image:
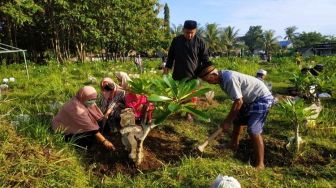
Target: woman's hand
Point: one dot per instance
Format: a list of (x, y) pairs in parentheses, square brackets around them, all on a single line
[(108, 145)]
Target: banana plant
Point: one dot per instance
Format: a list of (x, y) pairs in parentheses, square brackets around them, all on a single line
[(303, 83), (297, 112), (169, 97)]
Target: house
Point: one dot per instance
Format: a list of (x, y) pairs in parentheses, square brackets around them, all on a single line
[(286, 44), (323, 49)]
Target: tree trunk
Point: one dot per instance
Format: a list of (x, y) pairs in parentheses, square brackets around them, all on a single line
[(80, 51), (297, 142)]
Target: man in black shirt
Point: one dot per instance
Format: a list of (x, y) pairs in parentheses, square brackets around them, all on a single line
[(187, 53)]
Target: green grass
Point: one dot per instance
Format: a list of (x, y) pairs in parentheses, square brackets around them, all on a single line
[(32, 156)]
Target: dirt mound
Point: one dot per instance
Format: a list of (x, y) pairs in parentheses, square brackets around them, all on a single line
[(160, 147), (277, 155)]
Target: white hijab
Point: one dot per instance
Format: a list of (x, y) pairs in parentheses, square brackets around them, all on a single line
[(124, 79)]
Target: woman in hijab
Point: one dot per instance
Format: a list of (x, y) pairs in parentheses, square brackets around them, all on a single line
[(123, 79), (111, 102), (79, 117)]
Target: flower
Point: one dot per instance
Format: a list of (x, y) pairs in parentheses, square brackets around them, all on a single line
[(12, 79), (92, 79), (5, 80)]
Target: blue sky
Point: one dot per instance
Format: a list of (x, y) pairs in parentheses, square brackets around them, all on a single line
[(307, 15)]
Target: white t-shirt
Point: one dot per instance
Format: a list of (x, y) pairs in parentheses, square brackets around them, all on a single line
[(238, 85)]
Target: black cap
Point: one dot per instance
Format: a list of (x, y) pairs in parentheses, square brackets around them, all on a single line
[(190, 24)]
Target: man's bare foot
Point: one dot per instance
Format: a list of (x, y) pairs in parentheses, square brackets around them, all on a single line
[(260, 167)]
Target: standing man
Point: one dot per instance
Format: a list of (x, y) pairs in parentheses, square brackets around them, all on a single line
[(252, 101), (138, 63), (261, 75), (187, 53)]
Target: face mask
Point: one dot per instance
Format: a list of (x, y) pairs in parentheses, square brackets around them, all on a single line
[(90, 102)]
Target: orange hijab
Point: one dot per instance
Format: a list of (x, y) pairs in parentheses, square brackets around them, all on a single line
[(74, 117)]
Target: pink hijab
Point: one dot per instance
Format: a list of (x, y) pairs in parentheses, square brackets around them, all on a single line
[(75, 117), (108, 95)]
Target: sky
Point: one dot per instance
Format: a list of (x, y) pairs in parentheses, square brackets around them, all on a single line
[(306, 15)]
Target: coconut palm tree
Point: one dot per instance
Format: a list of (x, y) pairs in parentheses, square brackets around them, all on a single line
[(211, 37), (270, 42), (228, 39), (200, 31), (290, 33), (176, 30)]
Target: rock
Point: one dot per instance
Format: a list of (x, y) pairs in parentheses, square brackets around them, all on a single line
[(225, 182), (210, 96), (4, 87)]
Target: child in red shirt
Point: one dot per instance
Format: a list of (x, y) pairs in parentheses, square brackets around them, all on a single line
[(142, 108)]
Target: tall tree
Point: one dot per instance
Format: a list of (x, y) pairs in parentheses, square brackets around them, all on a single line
[(176, 30), (254, 38), (309, 38), (290, 33), (270, 42), (229, 39), (15, 14), (166, 19), (211, 36)]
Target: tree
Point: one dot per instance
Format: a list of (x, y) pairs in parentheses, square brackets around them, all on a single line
[(229, 39), (309, 38), (254, 38), (170, 97), (166, 19), (290, 33), (270, 42), (211, 37), (176, 30), (14, 15), (65, 28)]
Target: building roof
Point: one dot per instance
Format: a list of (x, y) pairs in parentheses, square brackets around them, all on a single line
[(285, 43)]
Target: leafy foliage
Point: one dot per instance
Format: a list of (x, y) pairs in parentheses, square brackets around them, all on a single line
[(170, 96), (297, 113)]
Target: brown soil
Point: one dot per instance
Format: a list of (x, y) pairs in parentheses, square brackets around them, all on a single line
[(161, 147), (276, 154), (165, 146)]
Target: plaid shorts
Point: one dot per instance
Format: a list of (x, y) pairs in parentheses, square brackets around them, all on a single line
[(254, 115)]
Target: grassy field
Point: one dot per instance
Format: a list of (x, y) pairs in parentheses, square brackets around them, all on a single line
[(33, 156)]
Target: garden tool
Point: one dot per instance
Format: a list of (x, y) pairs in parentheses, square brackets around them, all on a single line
[(210, 138)]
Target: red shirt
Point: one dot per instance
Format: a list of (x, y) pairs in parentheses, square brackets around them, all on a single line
[(134, 101)]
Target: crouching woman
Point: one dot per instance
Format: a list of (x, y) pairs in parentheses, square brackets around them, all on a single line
[(78, 118)]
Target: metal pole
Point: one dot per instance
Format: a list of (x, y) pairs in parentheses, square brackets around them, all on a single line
[(24, 57)]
